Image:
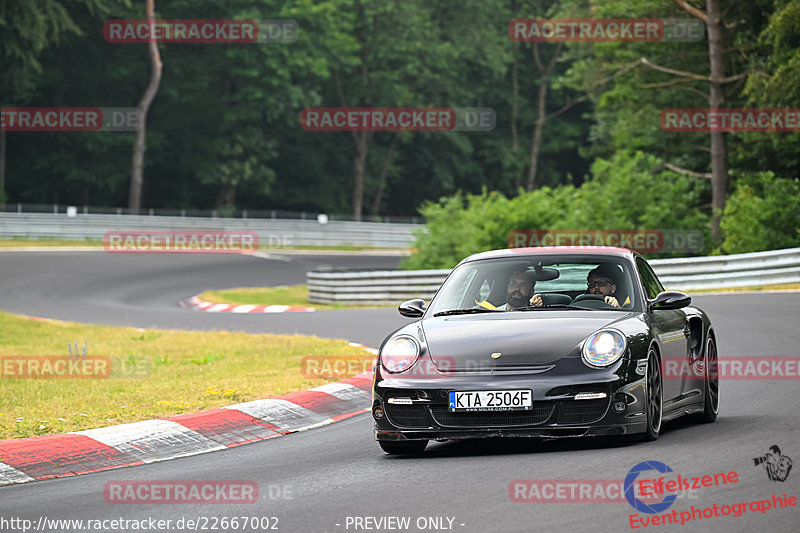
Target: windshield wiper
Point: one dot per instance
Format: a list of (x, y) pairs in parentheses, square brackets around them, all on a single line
[(556, 306), (469, 311)]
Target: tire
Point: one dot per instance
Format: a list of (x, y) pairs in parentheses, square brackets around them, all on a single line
[(397, 447), (711, 395), (655, 397)]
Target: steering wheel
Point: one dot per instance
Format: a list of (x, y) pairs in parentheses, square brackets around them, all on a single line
[(592, 301), (597, 297)]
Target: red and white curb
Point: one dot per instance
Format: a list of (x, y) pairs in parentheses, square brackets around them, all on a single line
[(94, 450), (373, 351), (210, 307)]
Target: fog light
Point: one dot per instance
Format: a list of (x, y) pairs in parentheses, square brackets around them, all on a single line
[(619, 406), (377, 412)]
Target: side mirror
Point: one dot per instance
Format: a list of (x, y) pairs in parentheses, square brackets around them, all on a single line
[(669, 300), (412, 308)]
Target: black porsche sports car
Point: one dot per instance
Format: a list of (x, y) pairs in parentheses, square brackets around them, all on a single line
[(545, 342)]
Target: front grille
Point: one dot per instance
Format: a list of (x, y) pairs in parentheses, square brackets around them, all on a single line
[(571, 390), (538, 415), (410, 416), (581, 411), (486, 370)]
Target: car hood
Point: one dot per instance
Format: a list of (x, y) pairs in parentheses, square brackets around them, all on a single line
[(523, 339)]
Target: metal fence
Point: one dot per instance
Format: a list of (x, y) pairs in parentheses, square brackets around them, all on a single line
[(377, 287), (729, 271), (697, 273), (271, 232), (272, 214), (373, 287)]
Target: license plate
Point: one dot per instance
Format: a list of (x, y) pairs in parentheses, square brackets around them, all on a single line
[(495, 400)]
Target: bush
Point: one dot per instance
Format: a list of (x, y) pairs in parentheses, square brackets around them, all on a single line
[(627, 191), (455, 227), (761, 214)]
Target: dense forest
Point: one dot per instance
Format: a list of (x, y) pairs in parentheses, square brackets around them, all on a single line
[(224, 131)]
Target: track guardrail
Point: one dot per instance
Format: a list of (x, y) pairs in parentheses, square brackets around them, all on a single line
[(686, 274), (273, 233)]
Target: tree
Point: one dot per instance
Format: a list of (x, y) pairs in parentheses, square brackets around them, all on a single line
[(545, 71), (626, 111), (719, 142), (137, 165), (29, 28), (781, 36), (224, 130), (464, 224), (381, 54)]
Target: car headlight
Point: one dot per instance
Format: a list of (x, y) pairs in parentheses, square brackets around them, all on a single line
[(399, 354), (603, 348)]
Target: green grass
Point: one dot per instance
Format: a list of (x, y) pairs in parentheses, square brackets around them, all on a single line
[(284, 295), (179, 372)]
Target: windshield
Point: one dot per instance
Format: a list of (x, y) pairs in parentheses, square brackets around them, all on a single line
[(537, 282)]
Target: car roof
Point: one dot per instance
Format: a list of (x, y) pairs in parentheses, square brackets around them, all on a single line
[(552, 250)]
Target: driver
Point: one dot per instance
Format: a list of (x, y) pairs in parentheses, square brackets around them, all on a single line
[(602, 281), (519, 292)]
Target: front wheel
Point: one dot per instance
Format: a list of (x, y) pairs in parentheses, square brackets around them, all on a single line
[(655, 403), (397, 447), (711, 400)]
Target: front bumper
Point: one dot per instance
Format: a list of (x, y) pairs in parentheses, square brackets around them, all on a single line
[(555, 414)]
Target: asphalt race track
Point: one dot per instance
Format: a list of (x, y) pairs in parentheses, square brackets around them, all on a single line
[(144, 291), (321, 480)]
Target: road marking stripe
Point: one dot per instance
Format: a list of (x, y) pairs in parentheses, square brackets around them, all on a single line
[(228, 427), (68, 454), (288, 416), (10, 475), (153, 440), (275, 308), (210, 307), (144, 442), (347, 392)]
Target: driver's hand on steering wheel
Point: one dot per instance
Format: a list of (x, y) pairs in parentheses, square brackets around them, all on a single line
[(536, 300), (610, 300)]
